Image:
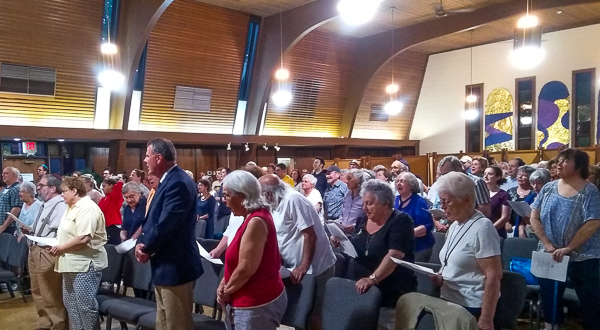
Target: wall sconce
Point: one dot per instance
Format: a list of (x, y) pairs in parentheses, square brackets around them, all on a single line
[(265, 147), (229, 146), (276, 146), (246, 147)]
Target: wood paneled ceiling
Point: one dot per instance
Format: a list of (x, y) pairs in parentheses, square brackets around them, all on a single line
[(258, 7), (550, 20)]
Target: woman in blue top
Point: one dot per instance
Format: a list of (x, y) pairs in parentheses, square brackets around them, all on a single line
[(206, 208), (31, 206), (566, 219), (133, 212), (409, 202)]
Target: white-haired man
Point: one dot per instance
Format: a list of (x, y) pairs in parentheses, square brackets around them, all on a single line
[(302, 240), (9, 199)]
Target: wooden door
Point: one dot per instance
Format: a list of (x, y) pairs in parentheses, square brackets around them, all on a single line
[(24, 165)]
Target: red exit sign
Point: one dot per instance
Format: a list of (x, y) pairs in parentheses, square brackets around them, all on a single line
[(30, 147)]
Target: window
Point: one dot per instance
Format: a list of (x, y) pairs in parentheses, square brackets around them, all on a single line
[(583, 107), (525, 104), (27, 79), (110, 20), (473, 123), (378, 114)]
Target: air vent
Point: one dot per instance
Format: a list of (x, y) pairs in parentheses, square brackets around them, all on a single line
[(192, 99), (378, 114), (27, 79), (306, 94)]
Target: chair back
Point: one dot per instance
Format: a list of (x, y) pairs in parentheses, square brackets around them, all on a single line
[(440, 239), (136, 275), (426, 321), (114, 272), (356, 271), (208, 244), (345, 309), (301, 299), (205, 290), (18, 253), (513, 291), (4, 247), (341, 265), (517, 247), (424, 283), (200, 228)]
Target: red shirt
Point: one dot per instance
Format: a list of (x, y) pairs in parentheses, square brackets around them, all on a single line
[(111, 205), (265, 285)]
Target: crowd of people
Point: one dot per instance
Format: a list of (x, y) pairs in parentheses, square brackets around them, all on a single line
[(267, 219)]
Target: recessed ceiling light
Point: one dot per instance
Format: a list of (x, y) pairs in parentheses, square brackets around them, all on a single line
[(60, 140), (559, 12), (17, 139)]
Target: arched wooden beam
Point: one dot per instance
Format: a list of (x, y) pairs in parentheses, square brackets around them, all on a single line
[(375, 51), (296, 23), (136, 21)]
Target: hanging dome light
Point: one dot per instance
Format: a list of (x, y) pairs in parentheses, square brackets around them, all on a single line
[(392, 88), (527, 21), (471, 98), (111, 79), (282, 74), (393, 107), (282, 98), (471, 114), (357, 12), (527, 57), (527, 120), (108, 48)]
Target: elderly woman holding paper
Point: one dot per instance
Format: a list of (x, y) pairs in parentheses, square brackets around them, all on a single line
[(387, 233), (134, 211), (566, 219), (471, 267), (252, 283), (523, 192), (81, 255)]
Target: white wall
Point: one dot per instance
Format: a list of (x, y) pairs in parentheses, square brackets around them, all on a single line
[(439, 121)]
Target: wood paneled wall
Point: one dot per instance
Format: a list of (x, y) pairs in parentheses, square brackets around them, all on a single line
[(64, 35), (409, 69), (194, 45), (325, 59)]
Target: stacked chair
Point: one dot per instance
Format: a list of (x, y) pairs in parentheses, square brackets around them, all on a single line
[(13, 255)]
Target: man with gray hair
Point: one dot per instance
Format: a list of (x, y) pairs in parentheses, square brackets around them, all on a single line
[(302, 240), (46, 284), (452, 164), (9, 200)]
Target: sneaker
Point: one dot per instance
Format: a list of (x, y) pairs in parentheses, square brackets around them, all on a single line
[(15, 287), (3, 287)]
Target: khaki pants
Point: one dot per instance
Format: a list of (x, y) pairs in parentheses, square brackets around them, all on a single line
[(46, 289), (174, 306)]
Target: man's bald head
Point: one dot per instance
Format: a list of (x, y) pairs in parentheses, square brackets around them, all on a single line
[(273, 189), (269, 180)]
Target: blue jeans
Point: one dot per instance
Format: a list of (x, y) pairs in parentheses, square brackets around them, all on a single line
[(584, 276)]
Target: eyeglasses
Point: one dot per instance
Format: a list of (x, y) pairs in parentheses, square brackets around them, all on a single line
[(42, 185)]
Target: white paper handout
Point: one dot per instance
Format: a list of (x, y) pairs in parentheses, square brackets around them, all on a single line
[(285, 273), (21, 223), (543, 266), (126, 246), (345, 243), (49, 241), (228, 321), (207, 256), (521, 208), (415, 267), (437, 213)]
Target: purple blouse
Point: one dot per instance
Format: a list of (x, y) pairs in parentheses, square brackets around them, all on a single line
[(496, 203)]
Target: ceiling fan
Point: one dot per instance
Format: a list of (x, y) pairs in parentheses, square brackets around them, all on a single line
[(440, 12)]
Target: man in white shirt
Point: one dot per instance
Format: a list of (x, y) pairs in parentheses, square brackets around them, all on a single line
[(302, 240), (46, 284), (513, 169)]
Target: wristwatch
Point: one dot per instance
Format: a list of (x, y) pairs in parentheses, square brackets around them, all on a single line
[(374, 278)]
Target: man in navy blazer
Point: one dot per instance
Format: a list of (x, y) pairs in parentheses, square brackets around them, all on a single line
[(168, 238)]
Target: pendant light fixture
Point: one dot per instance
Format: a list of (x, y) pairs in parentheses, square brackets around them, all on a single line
[(393, 107), (357, 12), (471, 113), (283, 96), (527, 46)]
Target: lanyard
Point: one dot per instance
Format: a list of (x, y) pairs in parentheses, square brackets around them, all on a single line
[(450, 247)]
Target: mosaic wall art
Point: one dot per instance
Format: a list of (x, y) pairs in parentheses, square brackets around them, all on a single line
[(499, 120), (553, 116)]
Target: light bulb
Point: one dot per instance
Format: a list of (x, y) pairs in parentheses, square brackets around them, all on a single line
[(108, 48), (471, 98), (391, 88), (526, 120), (527, 21), (111, 79), (357, 12), (17, 139), (527, 57), (471, 114), (281, 98), (282, 74), (393, 107)]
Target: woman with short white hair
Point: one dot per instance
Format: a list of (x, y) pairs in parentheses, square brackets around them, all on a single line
[(352, 206), (471, 254), (31, 205), (252, 283), (308, 190)]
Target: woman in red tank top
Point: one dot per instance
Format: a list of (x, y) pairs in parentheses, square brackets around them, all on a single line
[(252, 283)]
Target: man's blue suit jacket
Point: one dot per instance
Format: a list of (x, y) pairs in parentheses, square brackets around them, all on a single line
[(169, 231)]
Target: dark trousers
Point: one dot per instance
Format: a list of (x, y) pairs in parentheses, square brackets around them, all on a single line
[(113, 234), (584, 277)]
